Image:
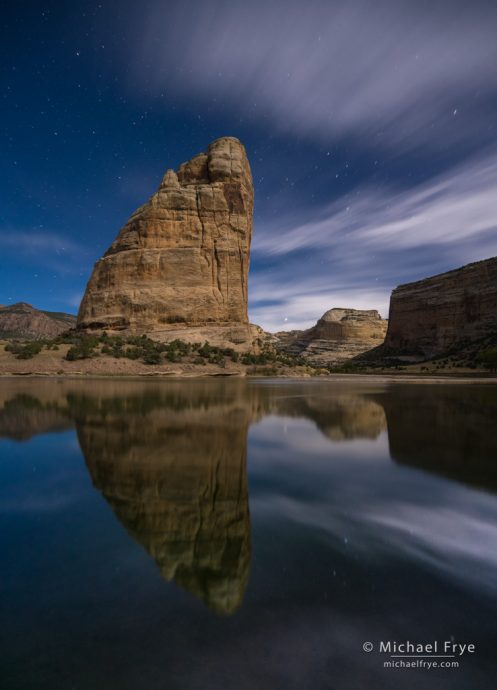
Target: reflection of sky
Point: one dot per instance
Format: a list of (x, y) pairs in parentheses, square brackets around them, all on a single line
[(369, 506), (35, 480), (346, 546)]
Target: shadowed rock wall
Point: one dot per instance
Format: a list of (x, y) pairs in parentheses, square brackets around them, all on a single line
[(445, 312)]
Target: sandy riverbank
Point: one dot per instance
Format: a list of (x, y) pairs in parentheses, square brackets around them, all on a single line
[(53, 364)]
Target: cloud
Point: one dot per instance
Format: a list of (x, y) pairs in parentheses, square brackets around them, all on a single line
[(456, 206), (45, 249), (394, 74), (34, 242), (410, 84), (354, 251), (382, 512)]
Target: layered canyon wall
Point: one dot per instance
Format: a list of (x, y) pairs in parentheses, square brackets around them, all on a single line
[(444, 312), (338, 336)]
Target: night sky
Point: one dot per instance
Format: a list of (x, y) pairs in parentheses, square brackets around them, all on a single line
[(370, 128)]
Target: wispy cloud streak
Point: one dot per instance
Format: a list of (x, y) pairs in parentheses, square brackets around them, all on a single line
[(362, 245), (36, 242), (457, 206), (396, 74), (44, 249)]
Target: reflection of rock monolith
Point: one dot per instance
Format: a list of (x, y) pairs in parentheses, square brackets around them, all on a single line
[(176, 479)]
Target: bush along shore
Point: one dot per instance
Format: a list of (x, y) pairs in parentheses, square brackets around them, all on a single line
[(110, 355), (85, 350)]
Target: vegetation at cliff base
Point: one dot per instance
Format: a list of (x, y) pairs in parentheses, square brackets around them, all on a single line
[(25, 350), (488, 359), (142, 348)]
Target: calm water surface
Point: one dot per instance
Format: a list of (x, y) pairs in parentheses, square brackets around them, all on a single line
[(232, 535)]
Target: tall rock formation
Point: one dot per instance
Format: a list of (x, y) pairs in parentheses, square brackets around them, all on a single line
[(338, 336), (182, 259), (443, 313)]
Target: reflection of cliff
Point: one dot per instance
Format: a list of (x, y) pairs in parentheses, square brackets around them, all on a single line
[(30, 407), (170, 456), (449, 430), (175, 475), (338, 415), (23, 416)]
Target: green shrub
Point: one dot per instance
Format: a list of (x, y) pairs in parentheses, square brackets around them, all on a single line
[(180, 346), (205, 350), (152, 357), (25, 350), (84, 349), (488, 359), (133, 353)]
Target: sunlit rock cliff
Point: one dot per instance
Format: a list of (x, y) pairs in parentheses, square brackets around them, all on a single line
[(443, 313), (338, 336), (181, 261)]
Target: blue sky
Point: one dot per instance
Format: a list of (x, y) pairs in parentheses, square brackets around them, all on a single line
[(370, 128)]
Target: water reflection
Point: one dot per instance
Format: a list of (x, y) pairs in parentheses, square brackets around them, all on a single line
[(449, 430), (170, 458), (173, 468)]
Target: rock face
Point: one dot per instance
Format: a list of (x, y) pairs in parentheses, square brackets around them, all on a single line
[(442, 313), (182, 259), (23, 321), (338, 336)]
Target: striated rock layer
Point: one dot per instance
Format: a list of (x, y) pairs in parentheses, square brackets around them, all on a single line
[(182, 259), (442, 313), (23, 321), (338, 336)]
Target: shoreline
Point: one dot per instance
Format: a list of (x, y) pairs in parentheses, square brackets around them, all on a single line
[(54, 364), (340, 378)]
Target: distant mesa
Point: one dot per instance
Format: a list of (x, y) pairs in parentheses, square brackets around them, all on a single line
[(442, 314), (180, 264), (338, 336), (23, 321)]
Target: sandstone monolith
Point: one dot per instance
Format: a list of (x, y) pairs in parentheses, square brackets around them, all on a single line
[(182, 259)]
